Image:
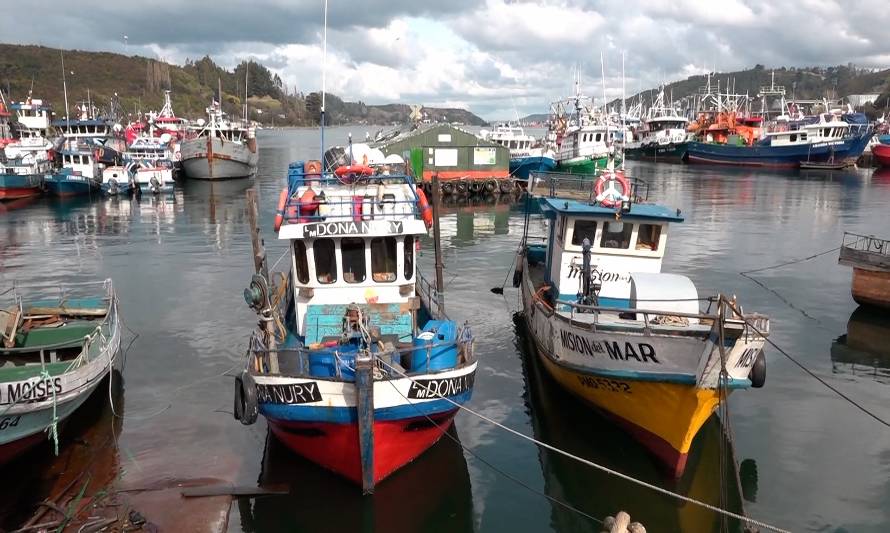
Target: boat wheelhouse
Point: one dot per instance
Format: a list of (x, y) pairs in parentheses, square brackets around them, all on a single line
[(527, 154), (640, 345), (32, 127), (662, 136), (79, 174), (353, 364), (117, 180)]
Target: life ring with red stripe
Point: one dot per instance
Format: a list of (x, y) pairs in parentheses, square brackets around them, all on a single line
[(362, 170), (426, 212), (606, 193)]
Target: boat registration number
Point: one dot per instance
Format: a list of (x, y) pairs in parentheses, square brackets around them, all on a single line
[(605, 384), (9, 422)]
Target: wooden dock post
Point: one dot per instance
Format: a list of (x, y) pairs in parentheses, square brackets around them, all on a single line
[(364, 405), (437, 244)]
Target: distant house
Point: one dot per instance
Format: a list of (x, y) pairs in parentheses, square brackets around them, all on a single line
[(858, 100)]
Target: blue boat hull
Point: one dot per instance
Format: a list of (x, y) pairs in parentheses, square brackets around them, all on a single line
[(522, 166), (13, 186), (64, 186), (846, 150)]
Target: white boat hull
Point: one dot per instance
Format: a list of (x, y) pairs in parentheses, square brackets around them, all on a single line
[(210, 159)]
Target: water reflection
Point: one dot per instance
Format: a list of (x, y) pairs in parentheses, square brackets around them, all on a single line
[(560, 420), (431, 494), (865, 349), (88, 459)]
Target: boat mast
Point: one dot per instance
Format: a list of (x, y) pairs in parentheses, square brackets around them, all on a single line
[(246, 70), (65, 90), (324, 72)]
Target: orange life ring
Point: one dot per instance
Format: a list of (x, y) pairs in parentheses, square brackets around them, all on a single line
[(308, 204), (279, 215), (363, 170), (426, 212), (611, 197)]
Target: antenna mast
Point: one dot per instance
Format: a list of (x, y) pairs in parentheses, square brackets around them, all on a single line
[(324, 72)]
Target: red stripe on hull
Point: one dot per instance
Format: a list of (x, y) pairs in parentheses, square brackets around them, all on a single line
[(336, 446), (11, 450), (670, 458), (469, 174), (15, 193)]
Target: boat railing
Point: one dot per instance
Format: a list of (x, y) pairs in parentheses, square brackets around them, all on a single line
[(354, 206), (865, 243), (730, 312), (430, 297), (578, 186)]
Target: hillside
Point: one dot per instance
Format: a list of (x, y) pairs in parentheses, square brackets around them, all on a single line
[(139, 83)]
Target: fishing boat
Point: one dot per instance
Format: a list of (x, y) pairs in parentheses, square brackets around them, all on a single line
[(23, 177), (662, 136), (353, 363), (828, 137), (527, 154), (153, 177), (869, 256), (31, 127), (87, 127), (639, 345), (80, 174), (219, 149), (56, 346)]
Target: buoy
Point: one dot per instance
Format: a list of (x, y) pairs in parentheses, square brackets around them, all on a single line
[(308, 204), (279, 214), (426, 212), (312, 167), (362, 170)]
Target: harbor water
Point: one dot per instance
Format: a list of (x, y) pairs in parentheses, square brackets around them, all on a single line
[(809, 460)]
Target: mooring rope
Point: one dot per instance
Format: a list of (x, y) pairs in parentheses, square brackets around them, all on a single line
[(587, 462)]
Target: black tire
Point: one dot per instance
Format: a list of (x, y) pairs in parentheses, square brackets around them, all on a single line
[(505, 186), (491, 186), (758, 371), (447, 189), (475, 187), (246, 406), (460, 187)]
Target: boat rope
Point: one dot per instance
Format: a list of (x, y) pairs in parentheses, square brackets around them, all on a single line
[(52, 430), (283, 254), (747, 274), (815, 376), (587, 462)]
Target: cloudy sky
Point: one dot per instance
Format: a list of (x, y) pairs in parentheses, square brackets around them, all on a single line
[(495, 57)]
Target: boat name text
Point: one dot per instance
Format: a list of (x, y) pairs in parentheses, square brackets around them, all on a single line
[(289, 394), (437, 388), (32, 391), (330, 229), (641, 351)]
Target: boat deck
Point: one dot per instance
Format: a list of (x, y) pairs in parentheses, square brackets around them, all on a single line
[(865, 251)]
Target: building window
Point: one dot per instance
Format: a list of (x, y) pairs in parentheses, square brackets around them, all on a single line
[(648, 237), (584, 229), (302, 263), (352, 251), (409, 256), (383, 259), (616, 235), (325, 261)]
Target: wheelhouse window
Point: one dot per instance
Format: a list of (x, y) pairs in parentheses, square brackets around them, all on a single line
[(793, 137), (599, 137), (352, 251), (325, 261), (383, 259), (648, 236), (616, 235), (301, 262), (409, 256), (584, 229)]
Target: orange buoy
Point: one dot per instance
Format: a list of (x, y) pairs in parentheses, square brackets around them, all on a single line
[(363, 170), (308, 204), (426, 212), (312, 167), (279, 215)]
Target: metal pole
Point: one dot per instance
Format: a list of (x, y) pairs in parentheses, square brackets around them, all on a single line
[(440, 283)]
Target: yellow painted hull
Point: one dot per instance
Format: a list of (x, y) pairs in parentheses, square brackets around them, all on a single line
[(665, 417)]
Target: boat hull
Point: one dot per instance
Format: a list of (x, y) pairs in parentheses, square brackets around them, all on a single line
[(336, 446), (14, 186), (881, 153), (521, 167), (847, 150), (871, 287), (63, 187), (671, 152), (205, 158), (584, 165)]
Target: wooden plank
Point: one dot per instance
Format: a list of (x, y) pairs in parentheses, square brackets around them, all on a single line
[(233, 490), (68, 311), (9, 324)]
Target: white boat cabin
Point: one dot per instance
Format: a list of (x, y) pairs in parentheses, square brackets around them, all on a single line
[(633, 243), (353, 244), (513, 138), (81, 163), (589, 141)]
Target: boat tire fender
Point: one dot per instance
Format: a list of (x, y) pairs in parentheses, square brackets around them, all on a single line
[(506, 186), (460, 187), (246, 406), (757, 375), (447, 188)]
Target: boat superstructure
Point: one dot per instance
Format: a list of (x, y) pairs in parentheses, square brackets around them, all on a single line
[(219, 148), (663, 133), (32, 119), (150, 159), (352, 363), (640, 345), (527, 154)]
